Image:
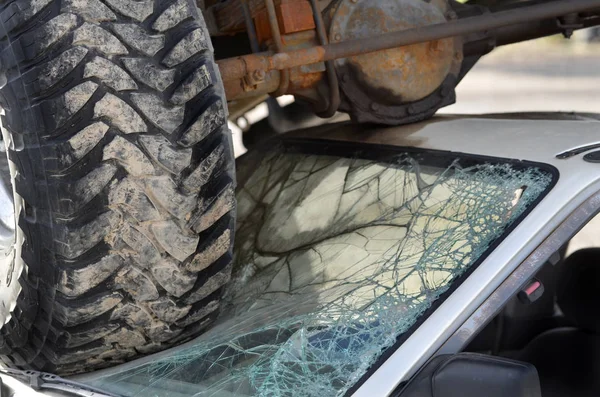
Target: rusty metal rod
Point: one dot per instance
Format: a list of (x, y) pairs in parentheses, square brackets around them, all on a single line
[(250, 28), (334, 87), (276, 33), (235, 68), (522, 32)]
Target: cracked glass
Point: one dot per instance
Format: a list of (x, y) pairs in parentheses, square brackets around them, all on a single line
[(336, 258)]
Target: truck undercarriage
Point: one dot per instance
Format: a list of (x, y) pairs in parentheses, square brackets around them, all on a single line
[(381, 61)]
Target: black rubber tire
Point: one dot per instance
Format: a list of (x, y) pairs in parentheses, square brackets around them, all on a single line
[(118, 128)]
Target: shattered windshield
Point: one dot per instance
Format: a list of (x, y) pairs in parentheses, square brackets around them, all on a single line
[(337, 256)]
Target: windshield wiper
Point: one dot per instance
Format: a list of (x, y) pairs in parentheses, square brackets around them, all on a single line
[(42, 380)]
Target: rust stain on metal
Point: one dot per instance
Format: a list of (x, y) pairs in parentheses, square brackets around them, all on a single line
[(263, 29), (300, 80), (408, 73), (295, 16), (298, 58), (229, 14), (278, 43), (245, 75), (307, 76), (397, 75), (242, 88), (234, 89), (292, 16), (237, 68)]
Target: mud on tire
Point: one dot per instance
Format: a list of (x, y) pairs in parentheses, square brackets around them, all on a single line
[(116, 123)]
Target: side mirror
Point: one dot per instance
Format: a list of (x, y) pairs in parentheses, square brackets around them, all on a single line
[(473, 375)]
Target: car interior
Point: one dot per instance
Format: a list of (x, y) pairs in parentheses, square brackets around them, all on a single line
[(559, 332)]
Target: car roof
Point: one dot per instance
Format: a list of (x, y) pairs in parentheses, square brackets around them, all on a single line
[(525, 136)]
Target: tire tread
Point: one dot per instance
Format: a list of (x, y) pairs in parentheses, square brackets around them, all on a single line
[(119, 128)]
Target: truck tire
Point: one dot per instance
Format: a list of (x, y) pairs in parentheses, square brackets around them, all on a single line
[(121, 172)]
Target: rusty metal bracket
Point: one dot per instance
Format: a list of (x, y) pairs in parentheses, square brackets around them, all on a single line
[(257, 79), (334, 91), (250, 28), (284, 81)]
